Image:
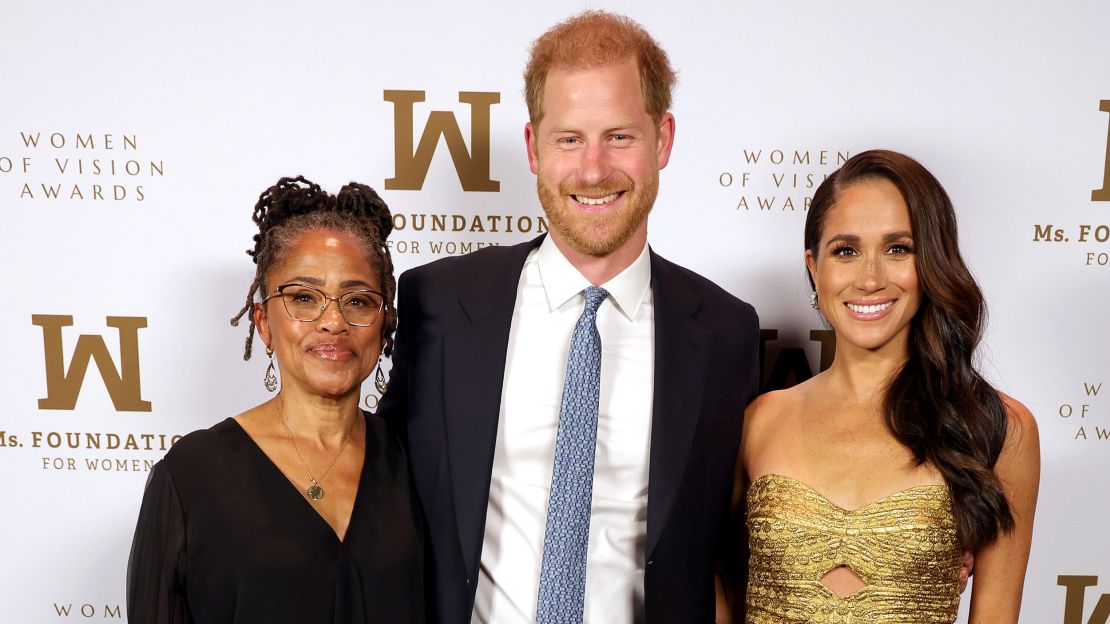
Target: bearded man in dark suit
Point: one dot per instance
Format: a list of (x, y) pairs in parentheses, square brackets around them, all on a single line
[(573, 404)]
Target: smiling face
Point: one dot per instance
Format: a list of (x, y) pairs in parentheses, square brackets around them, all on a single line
[(865, 269), (326, 357), (597, 155)]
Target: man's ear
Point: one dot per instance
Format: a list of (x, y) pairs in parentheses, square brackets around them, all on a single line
[(666, 140), (530, 145)]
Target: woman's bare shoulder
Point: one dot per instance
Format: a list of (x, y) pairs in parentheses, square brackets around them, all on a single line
[(776, 401), (1022, 435), (1017, 411), (771, 411)]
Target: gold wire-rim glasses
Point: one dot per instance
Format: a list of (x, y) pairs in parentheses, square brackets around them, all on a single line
[(341, 301)]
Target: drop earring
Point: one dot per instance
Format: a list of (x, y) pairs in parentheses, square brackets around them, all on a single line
[(380, 384), (813, 300), (270, 380)]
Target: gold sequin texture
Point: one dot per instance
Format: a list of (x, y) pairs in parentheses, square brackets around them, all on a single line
[(903, 547)]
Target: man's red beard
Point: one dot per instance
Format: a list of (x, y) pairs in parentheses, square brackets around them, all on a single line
[(598, 234)]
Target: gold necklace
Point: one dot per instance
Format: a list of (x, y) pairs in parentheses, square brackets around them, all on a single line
[(314, 491)]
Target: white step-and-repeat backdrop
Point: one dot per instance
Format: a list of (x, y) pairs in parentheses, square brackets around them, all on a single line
[(136, 136)]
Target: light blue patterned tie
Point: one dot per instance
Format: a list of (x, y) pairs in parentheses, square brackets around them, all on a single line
[(563, 572)]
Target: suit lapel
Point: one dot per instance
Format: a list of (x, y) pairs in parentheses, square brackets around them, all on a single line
[(680, 374), (474, 372)]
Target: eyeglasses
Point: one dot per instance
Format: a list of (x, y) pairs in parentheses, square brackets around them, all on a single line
[(306, 303)]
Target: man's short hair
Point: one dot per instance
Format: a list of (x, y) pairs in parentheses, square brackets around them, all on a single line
[(595, 39)]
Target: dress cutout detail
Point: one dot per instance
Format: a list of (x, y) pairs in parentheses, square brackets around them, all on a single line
[(904, 547)]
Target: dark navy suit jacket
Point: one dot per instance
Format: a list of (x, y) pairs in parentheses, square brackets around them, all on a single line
[(446, 383)]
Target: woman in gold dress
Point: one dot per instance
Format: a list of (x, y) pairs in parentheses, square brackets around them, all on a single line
[(866, 484)]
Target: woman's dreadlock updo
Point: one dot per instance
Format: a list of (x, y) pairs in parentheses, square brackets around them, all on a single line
[(294, 206)]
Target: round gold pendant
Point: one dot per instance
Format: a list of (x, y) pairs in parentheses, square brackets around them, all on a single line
[(315, 492)]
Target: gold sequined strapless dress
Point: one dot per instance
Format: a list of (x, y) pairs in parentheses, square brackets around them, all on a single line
[(903, 547)]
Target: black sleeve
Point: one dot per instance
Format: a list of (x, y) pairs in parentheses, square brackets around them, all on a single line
[(156, 567)]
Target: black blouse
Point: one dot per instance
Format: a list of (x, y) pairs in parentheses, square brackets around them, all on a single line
[(223, 536)]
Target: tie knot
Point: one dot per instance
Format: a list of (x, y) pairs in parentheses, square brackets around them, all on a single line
[(594, 297)]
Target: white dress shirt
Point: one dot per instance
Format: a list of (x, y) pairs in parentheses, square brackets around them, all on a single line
[(548, 303)]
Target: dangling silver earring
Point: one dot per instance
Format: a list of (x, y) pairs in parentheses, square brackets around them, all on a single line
[(270, 380), (380, 384), (813, 300)]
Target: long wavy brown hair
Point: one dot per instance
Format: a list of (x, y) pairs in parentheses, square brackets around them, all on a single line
[(937, 404)]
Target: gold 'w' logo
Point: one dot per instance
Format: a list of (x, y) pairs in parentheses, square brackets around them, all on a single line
[(412, 164), (62, 386), (1073, 600), (1103, 194)]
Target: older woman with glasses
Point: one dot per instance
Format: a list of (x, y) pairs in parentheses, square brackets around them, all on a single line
[(299, 509)]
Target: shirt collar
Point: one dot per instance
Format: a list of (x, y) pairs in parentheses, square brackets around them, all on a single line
[(562, 281)]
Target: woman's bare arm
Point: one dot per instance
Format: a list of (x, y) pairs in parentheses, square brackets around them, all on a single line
[(1000, 566)]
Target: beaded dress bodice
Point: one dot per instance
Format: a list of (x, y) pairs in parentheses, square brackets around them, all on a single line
[(904, 548)]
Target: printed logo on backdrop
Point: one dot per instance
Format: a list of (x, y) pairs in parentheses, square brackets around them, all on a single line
[(447, 230), (1103, 194), (62, 386), (1091, 238), (1088, 421), (785, 363), (88, 611), (78, 166), (472, 166), (90, 448), (777, 181), (1076, 603)]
